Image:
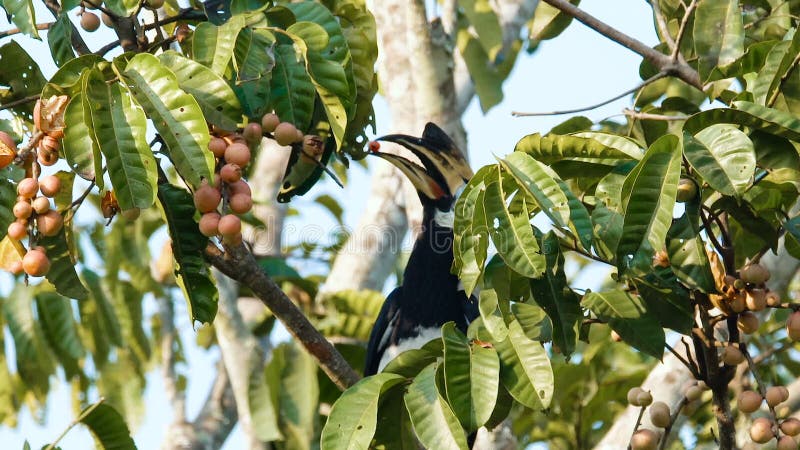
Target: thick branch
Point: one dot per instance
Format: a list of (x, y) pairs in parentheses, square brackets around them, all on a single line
[(77, 41), (657, 59), (239, 264)]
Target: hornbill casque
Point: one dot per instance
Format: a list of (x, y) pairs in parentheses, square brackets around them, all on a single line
[(430, 295)]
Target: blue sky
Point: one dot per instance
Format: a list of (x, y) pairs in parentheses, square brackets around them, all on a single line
[(576, 69)]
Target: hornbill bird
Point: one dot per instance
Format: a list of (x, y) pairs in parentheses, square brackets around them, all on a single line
[(430, 295)]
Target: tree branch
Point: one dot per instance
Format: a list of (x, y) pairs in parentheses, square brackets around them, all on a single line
[(13, 31), (238, 263), (76, 40), (659, 60)]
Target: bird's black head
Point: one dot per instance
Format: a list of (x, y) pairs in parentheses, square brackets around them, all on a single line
[(445, 170)]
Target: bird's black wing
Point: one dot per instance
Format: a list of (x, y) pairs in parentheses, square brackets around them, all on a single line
[(471, 311), (380, 337)]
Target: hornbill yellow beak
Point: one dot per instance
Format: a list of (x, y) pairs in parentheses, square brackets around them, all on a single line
[(444, 169)]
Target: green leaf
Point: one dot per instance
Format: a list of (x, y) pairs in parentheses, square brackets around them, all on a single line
[(553, 294), (254, 59), (723, 156), (551, 194), (352, 421), (779, 63), (471, 235), (598, 148), (298, 397), (67, 80), (292, 88), (78, 146), (23, 15), (409, 363), (627, 315), (748, 114), (122, 8), (525, 368), (20, 76), (62, 272), (8, 197), (472, 378), (188, 245), (648, 197), (59, 38), (311, 33), (262, 409), (687, 256), (355, 313), (175, 114), (56, 317), (108, 427), (667, 299), (512, 234), (487, 79), (216, 98), (491, 314), (533, 320), (34, 361), (548, 21), (718, 35), (434, 422), (212, 46), (119, 128), (484, 21), (107, 317)]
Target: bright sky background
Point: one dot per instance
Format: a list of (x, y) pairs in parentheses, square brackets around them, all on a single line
[(578, 68)]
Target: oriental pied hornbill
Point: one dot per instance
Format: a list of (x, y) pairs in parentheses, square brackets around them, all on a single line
[(430, 295)]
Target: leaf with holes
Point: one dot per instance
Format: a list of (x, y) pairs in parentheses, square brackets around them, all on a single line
[(769, 120), (525, 368), (723, 156), (718, 35)]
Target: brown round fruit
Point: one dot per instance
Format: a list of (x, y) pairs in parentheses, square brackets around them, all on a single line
[(749, 401), (773, 299), (269, 122), (776, 395), (747, 323), (50, 144), (50, 185), (8, 150), (22, 210), (209, 223), (36, 263), (154, 4), (240, 187), (644, 398), (41, 205), (285, 133), (660, 415), (693, 393), (49, 223), (107, 20), (761, 430), (17, 230), (47, 158), (230, 173), (791, 426), (644, 440), (240, 203), (633, 395), (687, 190), (28, 187), (786, 443), (89, 21), (793, 326), (754, 273), (238, 154), (732, 356), (217, 146), (252, 133), (756, 299), (182, 32), (206, 198), (229, 225), (738, 302)]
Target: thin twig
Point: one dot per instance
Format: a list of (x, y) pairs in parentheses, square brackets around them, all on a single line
[(636, 426), (107, 48), (13, 31), (83, 415), (762, 389), (682, 30), (683, 360), (673, 418), (633, 114), (644, 83), (663, 28), (21, 101)]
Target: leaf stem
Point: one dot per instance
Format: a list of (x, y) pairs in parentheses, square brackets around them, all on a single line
[(85, 413)]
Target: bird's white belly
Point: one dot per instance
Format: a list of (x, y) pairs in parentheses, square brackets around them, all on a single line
[(425, 335)]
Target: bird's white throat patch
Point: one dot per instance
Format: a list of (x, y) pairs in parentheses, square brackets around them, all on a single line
[(444, 219), (425, 335)]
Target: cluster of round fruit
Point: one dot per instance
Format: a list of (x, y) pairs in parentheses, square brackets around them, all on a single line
[(747, 292), (762, 429), (90, 22), (48, 117), (232, 152), (30, 208), (660, 414)]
